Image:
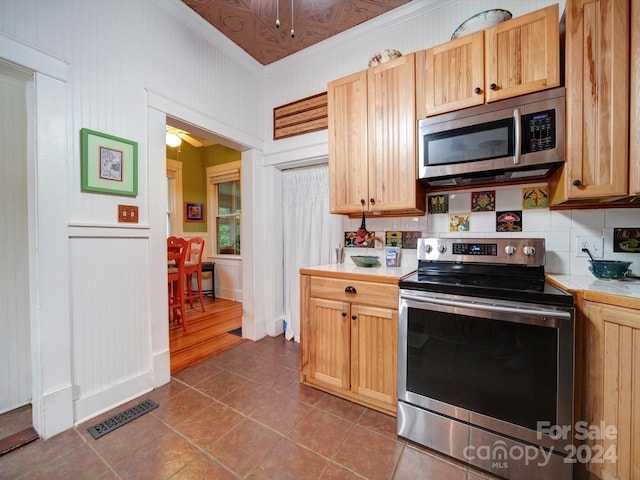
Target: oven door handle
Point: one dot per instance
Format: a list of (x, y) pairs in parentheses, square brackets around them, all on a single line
[(490, 307)]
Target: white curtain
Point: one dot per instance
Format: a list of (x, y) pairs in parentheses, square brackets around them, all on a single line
[(311, 233)]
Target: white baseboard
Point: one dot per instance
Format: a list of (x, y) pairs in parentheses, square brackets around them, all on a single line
[(100, 402), (161, 368), (57, 412)]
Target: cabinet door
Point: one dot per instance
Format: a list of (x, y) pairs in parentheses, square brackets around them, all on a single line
[(374, 359), (634, 140), (522, 55), (392, 135), (597, 70), (348, 164), (328, 343), (612, 388), (450, 76)]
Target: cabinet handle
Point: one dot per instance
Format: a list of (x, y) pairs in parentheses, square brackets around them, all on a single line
[(344, 314), (353, 317), (577, 183), (372, 201), (477, 90), (350, 289), (493, 86)]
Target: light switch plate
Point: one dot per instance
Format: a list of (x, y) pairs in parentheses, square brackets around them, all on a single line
[(128, 213)]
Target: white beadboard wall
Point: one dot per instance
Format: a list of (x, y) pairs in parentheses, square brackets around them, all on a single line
[(119, 55), (111, 342), (15, 351)]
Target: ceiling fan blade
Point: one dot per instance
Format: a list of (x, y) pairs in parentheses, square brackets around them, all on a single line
[(190, 140)]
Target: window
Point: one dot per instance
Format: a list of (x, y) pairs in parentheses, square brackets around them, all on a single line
[(174, 198), (227, 209)]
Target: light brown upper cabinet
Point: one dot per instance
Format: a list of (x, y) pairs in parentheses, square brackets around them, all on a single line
[(513, 58), (598, 154), (450, 76), (372, 141)]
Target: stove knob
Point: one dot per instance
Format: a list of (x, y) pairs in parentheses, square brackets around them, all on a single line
[(442, 248), (510, 250), (427, 248), (528, 250)]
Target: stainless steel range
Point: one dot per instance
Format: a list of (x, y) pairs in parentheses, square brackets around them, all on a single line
[(485, 359)]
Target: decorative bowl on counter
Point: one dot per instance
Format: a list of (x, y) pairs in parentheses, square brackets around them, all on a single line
[(609, 269), (383, 56), (480, 21), (365, 260)]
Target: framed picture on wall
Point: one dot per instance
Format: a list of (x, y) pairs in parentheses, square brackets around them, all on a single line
[(109, 164), (193, 212)]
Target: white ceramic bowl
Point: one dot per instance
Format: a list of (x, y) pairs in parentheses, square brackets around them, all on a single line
[(383, 56), (480, 21)]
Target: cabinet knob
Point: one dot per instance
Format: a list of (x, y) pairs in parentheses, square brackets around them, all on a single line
[(493, 86), (362, 201), (577, 183), (477, 90), (372, 201), (350, 289), (344, 314), (353, 317)]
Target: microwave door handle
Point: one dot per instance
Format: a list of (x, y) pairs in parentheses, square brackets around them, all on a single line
[(518, 135)]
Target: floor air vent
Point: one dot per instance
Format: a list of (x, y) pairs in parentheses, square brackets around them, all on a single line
[(119, 419)]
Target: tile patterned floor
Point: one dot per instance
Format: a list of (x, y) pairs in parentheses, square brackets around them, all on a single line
[(240, 414)]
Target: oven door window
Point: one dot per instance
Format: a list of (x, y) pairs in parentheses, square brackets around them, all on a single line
[(468, 144), (497, 368)]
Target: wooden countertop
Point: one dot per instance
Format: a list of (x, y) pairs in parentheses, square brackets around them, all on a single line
[(348, 270), (625, 293)]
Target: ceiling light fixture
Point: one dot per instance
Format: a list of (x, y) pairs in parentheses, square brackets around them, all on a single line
[(293, 34), (173, 140)]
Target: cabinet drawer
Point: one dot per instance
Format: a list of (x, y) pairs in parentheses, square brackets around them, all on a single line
[(366, 293)]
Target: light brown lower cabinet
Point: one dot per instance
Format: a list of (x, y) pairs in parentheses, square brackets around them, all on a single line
[(612, 391), (349, 340)]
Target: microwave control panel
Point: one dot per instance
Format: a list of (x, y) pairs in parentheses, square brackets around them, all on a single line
[(538, 131)]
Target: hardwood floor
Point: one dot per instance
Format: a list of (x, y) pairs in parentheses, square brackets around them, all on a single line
[(206, 333)]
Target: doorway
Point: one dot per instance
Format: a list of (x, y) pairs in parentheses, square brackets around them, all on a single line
[(15, 332), (188, 172)]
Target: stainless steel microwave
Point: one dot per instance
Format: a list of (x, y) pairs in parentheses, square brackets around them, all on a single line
[(516, 139)]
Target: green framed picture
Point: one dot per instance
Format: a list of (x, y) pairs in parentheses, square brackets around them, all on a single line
[(109, 164)]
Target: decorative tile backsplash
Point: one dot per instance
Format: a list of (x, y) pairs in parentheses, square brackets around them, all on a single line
[(559, 228)]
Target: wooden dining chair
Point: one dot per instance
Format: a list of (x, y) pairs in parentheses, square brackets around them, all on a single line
[(176, 254), (174, 243), (193, 265)]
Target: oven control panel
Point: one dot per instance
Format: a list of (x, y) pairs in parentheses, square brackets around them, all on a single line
[(516, 251)]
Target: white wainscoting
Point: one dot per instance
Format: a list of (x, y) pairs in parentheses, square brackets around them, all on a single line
[(111, 325), (228, 277)]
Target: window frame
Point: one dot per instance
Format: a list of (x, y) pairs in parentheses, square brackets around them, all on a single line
[(212, 172), (174, 169)]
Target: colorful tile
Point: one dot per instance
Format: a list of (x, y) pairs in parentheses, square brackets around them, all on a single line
[(626, 240), (535, 197), (410, 239), (509, 221), (350, 239), (393, 239), (459, 222), (483, 201), (439, 203)]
